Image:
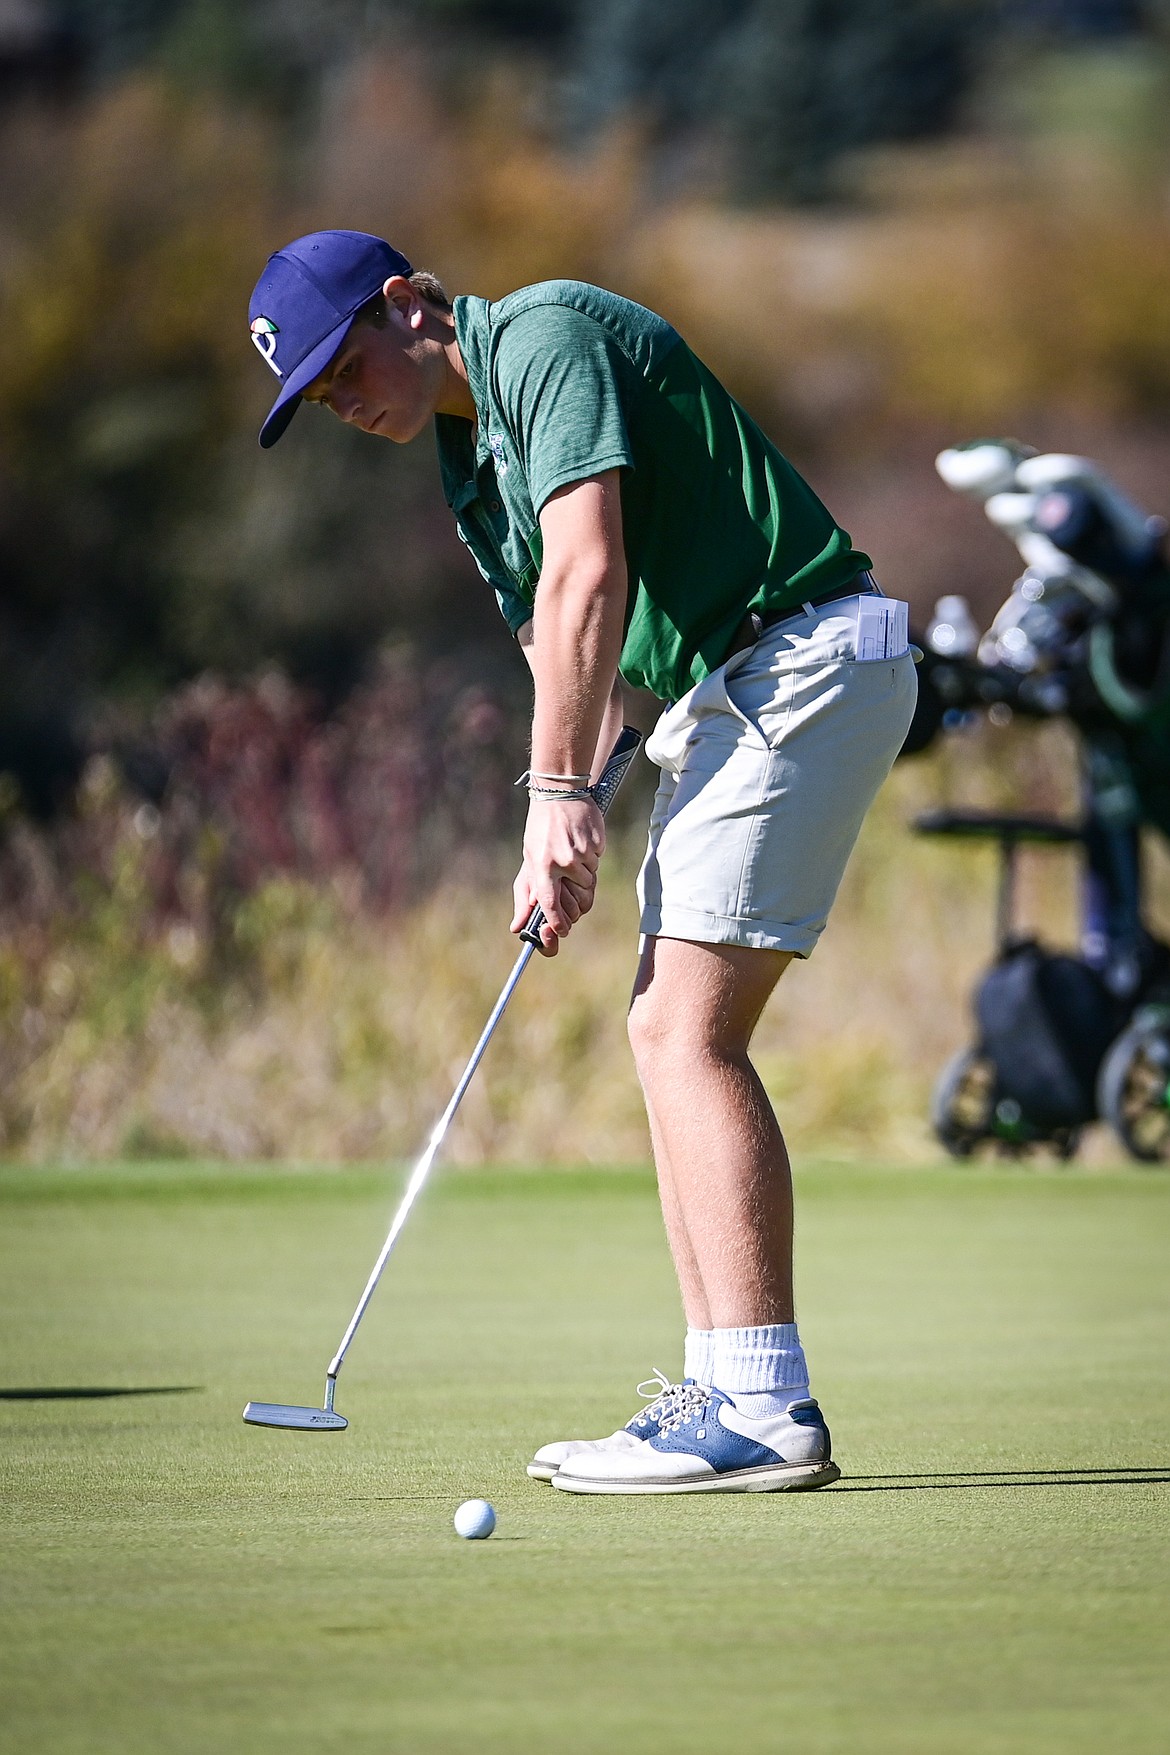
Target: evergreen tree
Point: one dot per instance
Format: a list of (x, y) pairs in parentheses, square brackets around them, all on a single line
[(808, 80), (789, 85)]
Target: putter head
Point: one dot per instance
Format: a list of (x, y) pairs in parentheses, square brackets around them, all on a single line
[(293, 1419)]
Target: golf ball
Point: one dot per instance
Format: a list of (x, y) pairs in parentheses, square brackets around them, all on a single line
[(475, 1520)]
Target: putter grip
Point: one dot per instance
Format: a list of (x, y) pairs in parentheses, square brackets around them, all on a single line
[(612, 775)]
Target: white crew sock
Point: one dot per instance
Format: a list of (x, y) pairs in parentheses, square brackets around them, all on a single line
[(699, 1355), (763, 1370)]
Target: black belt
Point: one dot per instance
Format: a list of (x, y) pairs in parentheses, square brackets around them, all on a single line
[(754, 625)]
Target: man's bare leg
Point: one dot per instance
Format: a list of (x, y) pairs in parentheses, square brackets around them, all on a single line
[(723, 1168), (694, 1298), (750, 1425)]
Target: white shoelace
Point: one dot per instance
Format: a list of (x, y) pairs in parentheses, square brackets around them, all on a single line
[(662, 1396), (689, 1399), (672, 1403)]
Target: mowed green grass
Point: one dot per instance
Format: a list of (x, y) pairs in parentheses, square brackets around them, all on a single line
[(991, 1575)]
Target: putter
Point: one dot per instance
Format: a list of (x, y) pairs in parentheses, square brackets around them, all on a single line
[(325, 1418)]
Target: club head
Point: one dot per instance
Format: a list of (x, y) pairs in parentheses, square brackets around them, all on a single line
[(293, 1419)]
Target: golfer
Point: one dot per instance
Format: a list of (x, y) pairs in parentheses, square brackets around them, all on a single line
[(635, 523)]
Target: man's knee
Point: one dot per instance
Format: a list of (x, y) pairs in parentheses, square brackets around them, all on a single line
[(670, 1029), (651, 1029), (694, 1001)]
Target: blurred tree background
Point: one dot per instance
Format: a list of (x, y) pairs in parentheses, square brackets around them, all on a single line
[(888, 226), (154, 151)]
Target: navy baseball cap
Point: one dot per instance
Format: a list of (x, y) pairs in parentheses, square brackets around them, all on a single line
[(304, 303)]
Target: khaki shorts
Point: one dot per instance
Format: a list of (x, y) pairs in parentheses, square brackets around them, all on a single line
[(768, 767)]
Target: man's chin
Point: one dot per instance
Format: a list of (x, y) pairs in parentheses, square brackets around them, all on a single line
[(381, 429)]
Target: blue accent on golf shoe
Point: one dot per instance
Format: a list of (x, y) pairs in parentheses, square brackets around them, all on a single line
[(697, 1430), (808, 1414)]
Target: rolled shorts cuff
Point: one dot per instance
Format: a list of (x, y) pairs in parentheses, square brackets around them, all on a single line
[(699, 927)]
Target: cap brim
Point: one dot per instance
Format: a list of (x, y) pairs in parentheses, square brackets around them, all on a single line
[(311, 366)]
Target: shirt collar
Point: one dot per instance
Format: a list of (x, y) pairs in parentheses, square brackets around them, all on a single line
[(473, 332), (458, 458)]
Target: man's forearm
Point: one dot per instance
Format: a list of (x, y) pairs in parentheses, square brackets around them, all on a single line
[(573, 644), (577, 638), (612, 721)]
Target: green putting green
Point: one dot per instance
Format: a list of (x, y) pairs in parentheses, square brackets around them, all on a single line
[(991, 1576)]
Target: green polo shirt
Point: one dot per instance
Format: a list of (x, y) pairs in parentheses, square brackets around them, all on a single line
[(568, 381)]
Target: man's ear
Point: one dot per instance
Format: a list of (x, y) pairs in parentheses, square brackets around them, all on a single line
[(397, 291)]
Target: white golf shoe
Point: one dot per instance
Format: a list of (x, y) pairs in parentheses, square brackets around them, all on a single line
[(705, 1445)]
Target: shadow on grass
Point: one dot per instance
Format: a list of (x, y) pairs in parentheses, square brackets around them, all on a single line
[(87, 1394), (1153, 1474)]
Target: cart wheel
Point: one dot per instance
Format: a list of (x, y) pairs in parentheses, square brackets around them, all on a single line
[(961, 1106), (1133, 1090)]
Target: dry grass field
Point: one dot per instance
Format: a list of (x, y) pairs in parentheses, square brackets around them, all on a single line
[(333, 1036)]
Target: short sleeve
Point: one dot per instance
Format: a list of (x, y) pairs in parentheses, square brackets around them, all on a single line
[(559, 376), (516, 610)]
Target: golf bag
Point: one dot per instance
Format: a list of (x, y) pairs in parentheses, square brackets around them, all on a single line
[(1045, 1021), (1084, 635)]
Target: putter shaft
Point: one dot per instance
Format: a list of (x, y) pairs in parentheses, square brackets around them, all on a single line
[(613, 774), (422, 1169)]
